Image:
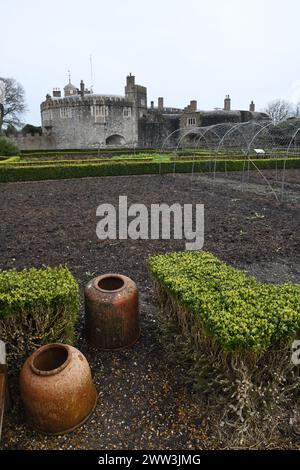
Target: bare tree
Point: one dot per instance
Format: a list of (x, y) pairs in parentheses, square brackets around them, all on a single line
[(13, 103), (297, 110), (278, 110)]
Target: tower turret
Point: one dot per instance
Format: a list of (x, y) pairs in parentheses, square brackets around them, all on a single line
[(136, 93), (69, 89)]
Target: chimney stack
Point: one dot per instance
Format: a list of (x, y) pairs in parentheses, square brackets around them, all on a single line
[(160, 103), (56, 93), (227, 103), (193, 106), (82, 88)]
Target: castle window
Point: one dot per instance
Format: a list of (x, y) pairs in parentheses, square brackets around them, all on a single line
[(191, 121), (127, 112), (99, 111), (65, 113)]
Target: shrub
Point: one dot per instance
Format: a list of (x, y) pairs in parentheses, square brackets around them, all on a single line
[(8, 147), (42, 171), (92, 161), (8, 160), (232, 336), (105, 152), (37, 306), (236, 311)]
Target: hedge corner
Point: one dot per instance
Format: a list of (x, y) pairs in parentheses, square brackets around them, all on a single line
[(37, 306)]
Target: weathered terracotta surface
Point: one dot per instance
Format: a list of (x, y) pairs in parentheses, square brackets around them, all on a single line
[(3, 384), (57, 389), (111, 312), (2, 398)]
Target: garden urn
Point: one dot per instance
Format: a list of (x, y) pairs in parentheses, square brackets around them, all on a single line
[(111, 312), (57, 389)]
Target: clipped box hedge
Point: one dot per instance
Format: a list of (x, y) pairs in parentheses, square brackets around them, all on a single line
[(233, 309), (37, 306), (87, 161), (230, 338), (42, 171)]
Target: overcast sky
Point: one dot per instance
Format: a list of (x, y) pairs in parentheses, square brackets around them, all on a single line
[(179, 49)]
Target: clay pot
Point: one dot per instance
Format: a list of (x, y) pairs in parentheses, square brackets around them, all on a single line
[(57, 389), (111, 312)]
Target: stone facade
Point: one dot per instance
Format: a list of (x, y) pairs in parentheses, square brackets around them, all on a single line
[(81, 119), (84, 120)]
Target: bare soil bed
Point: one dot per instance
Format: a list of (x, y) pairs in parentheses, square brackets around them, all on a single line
[(142, 403)]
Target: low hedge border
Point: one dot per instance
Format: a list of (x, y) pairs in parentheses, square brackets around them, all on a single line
[(229, 338), (21, 172), (9, 160), (37, 306), (110, 152), (87, 161), (235, 311)]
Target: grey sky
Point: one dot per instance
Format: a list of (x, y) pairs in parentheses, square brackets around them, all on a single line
[(179, 49)]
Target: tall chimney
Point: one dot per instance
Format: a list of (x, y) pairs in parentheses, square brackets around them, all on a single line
[(227, 103), (193, 106), (82, 88), (161, 103), (56, 93), (252, 107)]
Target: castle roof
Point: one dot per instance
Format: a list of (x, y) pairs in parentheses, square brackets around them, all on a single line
[(70, 86)]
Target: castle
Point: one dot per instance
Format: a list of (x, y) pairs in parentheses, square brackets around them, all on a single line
[(82, 119)]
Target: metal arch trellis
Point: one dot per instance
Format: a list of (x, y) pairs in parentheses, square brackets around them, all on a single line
[(257, 133), (189, 131), (209, 129), (203, 135), (224, 134), (230, 130), (205, 130), (285, 160), (164, 143), (255, 166), (168, 137), (241, 137), (213, 130)]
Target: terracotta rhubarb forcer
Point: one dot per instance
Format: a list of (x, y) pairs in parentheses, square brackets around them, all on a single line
[(57, 389), (111, 312)]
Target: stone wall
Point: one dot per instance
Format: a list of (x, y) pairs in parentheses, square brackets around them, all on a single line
[(34, 142), (91, 123), (154, 128)]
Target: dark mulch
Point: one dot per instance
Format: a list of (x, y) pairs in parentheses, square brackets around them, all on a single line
[(142, 402)]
